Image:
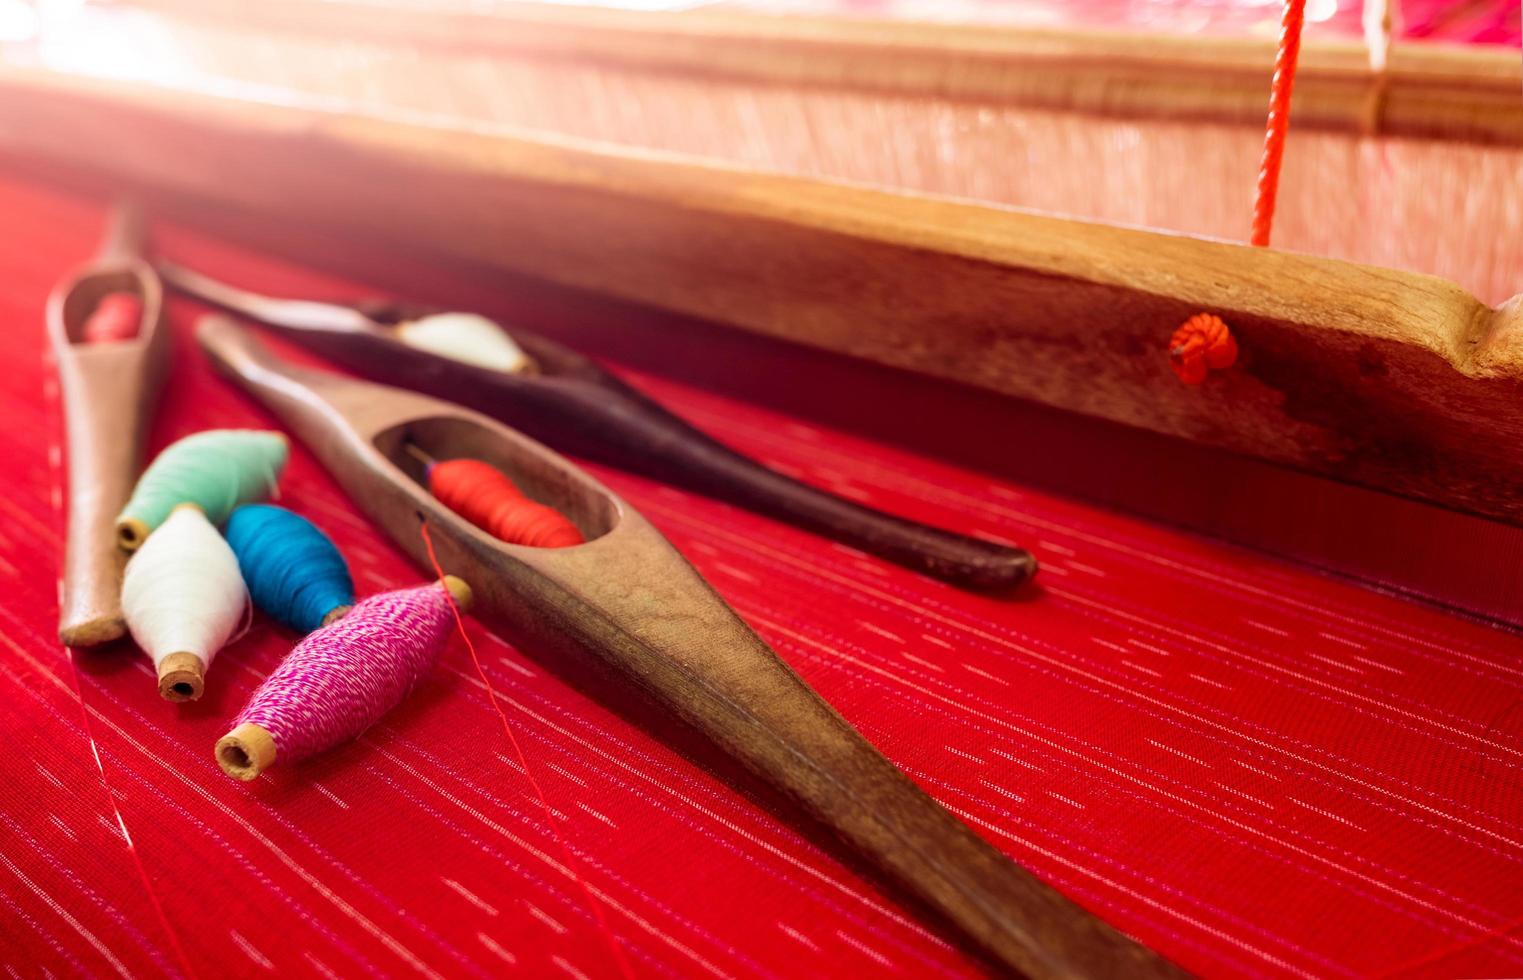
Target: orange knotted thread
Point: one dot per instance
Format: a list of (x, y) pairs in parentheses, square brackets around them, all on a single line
[(1202, 344), (116, 317), (483, 495)]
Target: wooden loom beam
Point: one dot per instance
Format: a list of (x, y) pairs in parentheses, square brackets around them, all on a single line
[(1428, 89), (1392, 380)]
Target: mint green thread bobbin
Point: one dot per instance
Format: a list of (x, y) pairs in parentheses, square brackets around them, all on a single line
[(216, 470)]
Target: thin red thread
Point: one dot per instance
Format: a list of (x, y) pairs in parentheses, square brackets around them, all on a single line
[(1443, 952), (1278, 123), (137, 860), (50, 397), (523, 762)]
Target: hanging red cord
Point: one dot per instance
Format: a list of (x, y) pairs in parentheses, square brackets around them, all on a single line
[(1279, 119), (1203, 342)]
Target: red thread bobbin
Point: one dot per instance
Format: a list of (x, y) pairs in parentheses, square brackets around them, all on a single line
[(486, 497), (118, 316)]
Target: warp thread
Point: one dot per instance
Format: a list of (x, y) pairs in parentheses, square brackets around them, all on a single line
[(487, 498), (343, 678), (1202, 344), (183, 599), (468, 338), (118, 316), (216, 470), (293, 571)]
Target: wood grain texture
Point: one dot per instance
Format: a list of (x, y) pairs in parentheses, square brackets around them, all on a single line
[(1347, 193), (108, 395), (576, 407), (1391, 380), (629, 600), (1425, 90)]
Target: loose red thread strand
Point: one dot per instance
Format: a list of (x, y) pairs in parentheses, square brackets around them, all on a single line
[(523, 762), (1279, 119), (137, 860), (1444, 952), (50, 397)]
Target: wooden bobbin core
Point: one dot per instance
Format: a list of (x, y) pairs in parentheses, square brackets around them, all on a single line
[(182, 677), (246, 751), (335, 614), (131, 533), (460, 592)]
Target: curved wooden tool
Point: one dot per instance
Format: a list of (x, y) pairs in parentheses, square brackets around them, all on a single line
[(108, 393), (628, 599), (579, 408)]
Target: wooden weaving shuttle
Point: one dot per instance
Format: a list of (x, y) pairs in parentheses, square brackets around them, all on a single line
[(629, 600), (574, 405), (108, 392)]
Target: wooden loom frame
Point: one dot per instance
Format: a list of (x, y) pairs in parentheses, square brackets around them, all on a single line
[(1370, 376), (1425, 89), (1056, 311)]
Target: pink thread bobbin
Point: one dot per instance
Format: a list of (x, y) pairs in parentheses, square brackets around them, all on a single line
[(343, 678)]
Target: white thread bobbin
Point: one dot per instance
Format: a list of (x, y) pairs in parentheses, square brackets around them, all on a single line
[(183, 598), (468, 338)]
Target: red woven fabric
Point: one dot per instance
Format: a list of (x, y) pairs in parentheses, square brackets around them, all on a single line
[(1251, 767)]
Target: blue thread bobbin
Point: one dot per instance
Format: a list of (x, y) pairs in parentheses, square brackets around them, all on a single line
[(294, 571)]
